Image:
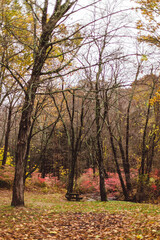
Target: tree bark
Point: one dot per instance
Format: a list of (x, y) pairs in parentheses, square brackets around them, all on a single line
[(99, 149), (125, 193), (71, 173), (7, 136), (25, 123), (126, 166), (140, 196)]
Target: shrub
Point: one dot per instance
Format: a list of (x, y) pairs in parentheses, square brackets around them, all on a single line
[(49, 181), (88, 183), (113, 185), (154, 185), (6, 176), (9, 160), (151, 186)]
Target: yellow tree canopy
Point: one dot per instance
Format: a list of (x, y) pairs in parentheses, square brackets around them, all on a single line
[(149, 28)]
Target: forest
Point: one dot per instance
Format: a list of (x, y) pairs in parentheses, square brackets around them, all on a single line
[(80, 97)]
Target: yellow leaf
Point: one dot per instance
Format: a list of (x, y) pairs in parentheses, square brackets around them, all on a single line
[(144, 58), (139, 236)]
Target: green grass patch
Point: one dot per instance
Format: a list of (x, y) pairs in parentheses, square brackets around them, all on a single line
[(57, 203)]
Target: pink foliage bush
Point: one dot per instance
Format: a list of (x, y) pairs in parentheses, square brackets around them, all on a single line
[(48, 181), (113, 185), (88, 183)]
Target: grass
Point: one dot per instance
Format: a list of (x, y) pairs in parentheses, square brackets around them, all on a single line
[(50, 216), (57, 203)]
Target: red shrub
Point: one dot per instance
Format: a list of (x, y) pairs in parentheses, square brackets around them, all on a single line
[(48, 181), (88, 183)]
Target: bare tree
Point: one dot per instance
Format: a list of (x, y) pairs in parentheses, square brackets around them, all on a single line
[(73, 120), (12, 101)]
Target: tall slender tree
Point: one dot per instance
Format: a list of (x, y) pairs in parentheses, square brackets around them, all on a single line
[(41, 53)]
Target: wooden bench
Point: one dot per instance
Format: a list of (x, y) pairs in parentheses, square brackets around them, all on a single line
[(73, 196)]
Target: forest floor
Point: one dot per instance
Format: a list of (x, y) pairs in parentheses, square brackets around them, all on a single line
[(51, 216)]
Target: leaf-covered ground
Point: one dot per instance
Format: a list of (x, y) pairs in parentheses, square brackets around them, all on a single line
[(52, 217)]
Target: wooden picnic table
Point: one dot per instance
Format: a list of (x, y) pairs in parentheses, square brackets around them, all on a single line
[(73, 196)]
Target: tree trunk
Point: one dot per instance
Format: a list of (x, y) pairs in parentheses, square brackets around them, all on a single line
[(102, 178), (151, 156), (71, 173), (7, 136), (125, 193), (126, 164), (18, 185), (126, 167), (142, 178), (99, 149), (125, 159)]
